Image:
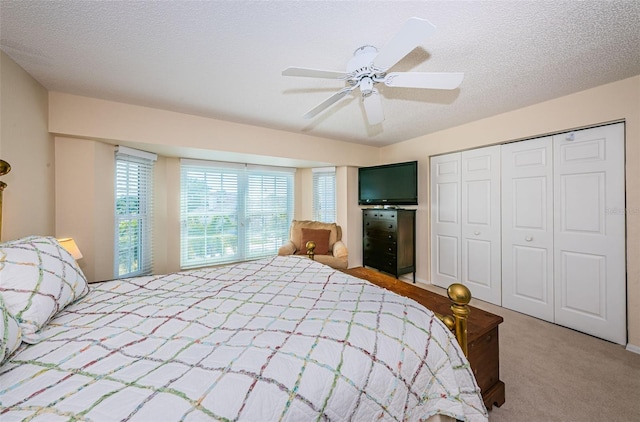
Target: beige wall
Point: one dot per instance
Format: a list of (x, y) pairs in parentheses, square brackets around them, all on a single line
[(180, 135), (175, 135), (28, 200), (171, 226), (85, 195), (606, 103), (349, 213), (304, 209)]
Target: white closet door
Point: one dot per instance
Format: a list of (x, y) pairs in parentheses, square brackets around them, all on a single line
[(481, 252), (527, 230), (445, 219), (589, 222)]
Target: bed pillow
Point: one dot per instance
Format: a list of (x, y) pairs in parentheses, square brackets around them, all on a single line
[(320, 236), (10, 333), (38, 278)]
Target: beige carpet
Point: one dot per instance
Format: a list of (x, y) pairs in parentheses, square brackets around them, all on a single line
[(553, 373)]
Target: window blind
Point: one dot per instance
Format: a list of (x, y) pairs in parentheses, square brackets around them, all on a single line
[(324, 194), (232, 212), (133, 212)]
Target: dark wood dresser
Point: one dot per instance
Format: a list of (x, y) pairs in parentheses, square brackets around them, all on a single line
[(388, 240), (482, 332)]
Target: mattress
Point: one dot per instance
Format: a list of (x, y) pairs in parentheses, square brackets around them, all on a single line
[(282, 338)]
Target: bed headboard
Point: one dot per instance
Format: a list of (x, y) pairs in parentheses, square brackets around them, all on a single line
[(4, 169)]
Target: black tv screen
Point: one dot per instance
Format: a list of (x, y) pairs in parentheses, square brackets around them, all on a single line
[(390, 184)]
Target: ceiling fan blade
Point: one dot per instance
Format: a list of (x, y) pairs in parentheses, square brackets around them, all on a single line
[(412, 33), (313, 73), (429, 80), (326, 103), (373, 107)]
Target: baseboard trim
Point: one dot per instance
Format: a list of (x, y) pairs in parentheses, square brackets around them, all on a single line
[(633, 348)]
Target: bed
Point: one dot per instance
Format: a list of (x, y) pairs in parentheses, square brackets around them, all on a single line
[(282, 338)]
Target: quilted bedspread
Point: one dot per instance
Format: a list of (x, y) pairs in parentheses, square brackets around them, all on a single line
[(283, 338)]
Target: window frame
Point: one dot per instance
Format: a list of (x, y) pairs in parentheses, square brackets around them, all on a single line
[(134, 171), (324, 194), (250, 215)]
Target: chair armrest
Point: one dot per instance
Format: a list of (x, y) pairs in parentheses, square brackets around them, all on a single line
[(287, 249), (340, 250)]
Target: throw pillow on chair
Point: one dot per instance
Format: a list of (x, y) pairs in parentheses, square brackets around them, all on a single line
[(320, 236)]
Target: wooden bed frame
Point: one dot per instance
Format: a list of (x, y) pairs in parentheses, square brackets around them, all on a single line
[(478, 326), (476, 330), (477, 335)]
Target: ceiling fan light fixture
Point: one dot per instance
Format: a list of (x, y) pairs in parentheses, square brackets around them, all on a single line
[(366, 86)]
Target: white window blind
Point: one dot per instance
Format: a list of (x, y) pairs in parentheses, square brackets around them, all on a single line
[(232, 212), (133, 212), (324, 194)]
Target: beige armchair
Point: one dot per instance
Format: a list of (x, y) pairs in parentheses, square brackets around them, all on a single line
[(330, 249)]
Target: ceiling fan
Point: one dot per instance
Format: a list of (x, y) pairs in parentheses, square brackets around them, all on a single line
[(369, 66)]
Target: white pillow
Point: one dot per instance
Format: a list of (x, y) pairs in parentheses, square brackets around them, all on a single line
[(38, 278), (10, 333)]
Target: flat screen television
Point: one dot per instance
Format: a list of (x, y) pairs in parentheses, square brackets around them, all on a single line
[(389, 184)]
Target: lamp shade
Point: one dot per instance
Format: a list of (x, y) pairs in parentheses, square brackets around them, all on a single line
[(70, 245)]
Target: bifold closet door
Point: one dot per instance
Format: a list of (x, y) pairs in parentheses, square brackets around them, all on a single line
[(445, 219), (465, 221), (589, 232), (527, 227), (480, 242)]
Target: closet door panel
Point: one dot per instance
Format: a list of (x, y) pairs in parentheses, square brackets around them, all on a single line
[(480, 251), (445, 219), (447, 259), (527, 227), (590, 275)]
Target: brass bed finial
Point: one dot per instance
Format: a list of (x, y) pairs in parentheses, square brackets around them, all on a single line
[(460, 295), (4, 169), (311, 246)]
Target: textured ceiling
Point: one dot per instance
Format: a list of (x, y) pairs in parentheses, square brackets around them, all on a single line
[(223, 59)]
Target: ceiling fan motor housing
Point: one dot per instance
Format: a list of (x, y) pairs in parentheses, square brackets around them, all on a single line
[(361, 70)]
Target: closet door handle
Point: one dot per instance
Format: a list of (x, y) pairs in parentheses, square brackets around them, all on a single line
[(476, 233), (528, 238)]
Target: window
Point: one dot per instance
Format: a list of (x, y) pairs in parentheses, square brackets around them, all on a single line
[(133, 212), (233, 212), (324, 194)]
